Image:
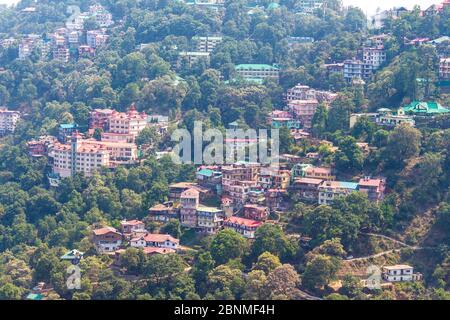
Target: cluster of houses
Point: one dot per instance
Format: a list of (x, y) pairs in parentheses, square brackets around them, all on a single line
[(73, 40), (371, 56), (132, 234), (302, 103), (73, 152), (251, 192)]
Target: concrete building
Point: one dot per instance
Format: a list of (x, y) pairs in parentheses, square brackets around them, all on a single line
[(374, 188), (400, 273), (206, 44), (309, 6), (257, 72), (190, 201), (444, 69), (96, 38), (374, 56), (89, 155), (302, 92), (8, 120), (330, 190), (209, 219), (191, 57), (303, 110)]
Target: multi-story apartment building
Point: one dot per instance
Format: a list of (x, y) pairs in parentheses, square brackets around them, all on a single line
[(122, 126), (304, 110), (96, 38), (334, 68), (353, 69), (40, 147), (309, 6), (330, 190), (164, 212), (245, 227), (189, 203), (191, 57), (86, 52), (444, 69), (89, 155), (99, 118), (318, 173), (374, 56), (307, 189), (238, 180), (28, 44), (209, 219), (302, 92), (102, 16), (374, 188), (257, 72), (256, 212), (207, 44), (8, 120), (61, 53)]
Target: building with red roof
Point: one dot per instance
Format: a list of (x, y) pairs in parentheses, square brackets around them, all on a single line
[(245, 227), (106, 239), (155, 241)]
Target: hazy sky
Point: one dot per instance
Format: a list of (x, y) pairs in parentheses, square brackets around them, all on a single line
[(369, 6)]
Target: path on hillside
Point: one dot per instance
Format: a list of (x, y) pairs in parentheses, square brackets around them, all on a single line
[(390, 238), (307, 296), (377, 255)]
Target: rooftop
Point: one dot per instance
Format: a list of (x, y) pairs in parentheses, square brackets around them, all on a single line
[(256, 67), (244, 222), (419, 107)]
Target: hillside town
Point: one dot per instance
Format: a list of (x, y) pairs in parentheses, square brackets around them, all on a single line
[(356, 207)]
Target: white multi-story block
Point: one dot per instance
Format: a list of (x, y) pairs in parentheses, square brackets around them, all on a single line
[(8, 120), (400, 273), (207, 44)]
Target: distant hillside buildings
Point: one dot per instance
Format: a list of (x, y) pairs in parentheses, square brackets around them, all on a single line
[(8, 120)]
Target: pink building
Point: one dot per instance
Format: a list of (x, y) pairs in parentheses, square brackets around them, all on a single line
[(190, 201), (304, 110)]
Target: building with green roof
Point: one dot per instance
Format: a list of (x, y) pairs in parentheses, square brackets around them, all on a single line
[(257, 72), (419, 108)]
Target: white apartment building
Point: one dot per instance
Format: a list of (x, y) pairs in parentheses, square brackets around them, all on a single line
[(257, 71), (8, 120), (444, 69), (88, 155), (374, 56), (96, 38), (207, 44), (128, 124), (309, 6), (193, 56), (400, 273)]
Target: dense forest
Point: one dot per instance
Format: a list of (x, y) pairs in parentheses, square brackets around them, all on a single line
[(39, 223)]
